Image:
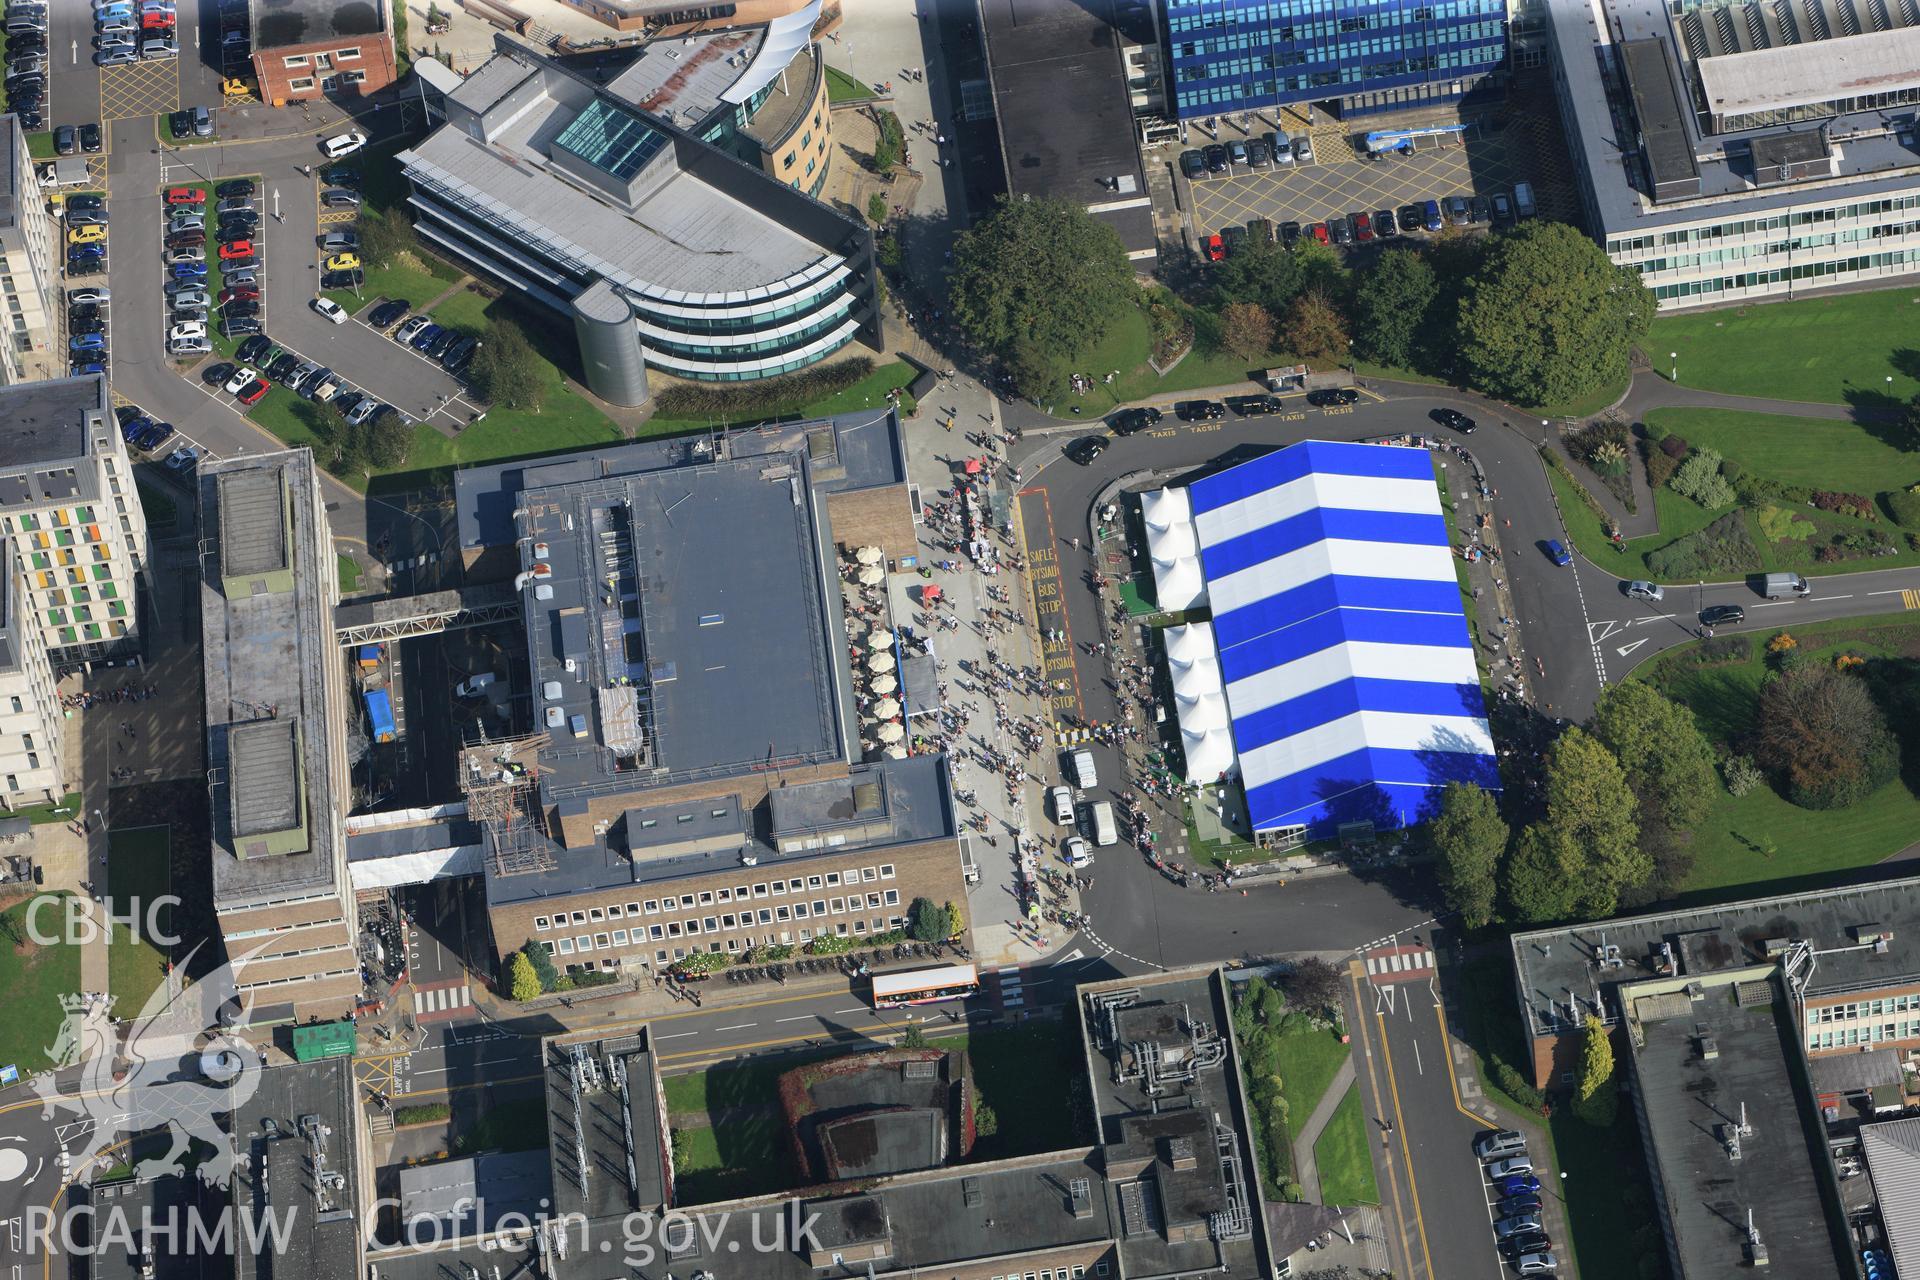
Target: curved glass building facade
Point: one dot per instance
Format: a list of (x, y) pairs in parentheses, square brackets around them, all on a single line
[(555, 187)]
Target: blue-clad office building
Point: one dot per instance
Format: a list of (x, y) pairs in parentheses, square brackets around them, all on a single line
[(1229, 56)]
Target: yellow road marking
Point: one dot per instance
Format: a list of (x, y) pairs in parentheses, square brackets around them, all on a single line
[(1354, 972), (1910, 598), (1399, 1126)]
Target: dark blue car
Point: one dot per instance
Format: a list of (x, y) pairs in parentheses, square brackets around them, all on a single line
[(1557, 553), (424, 339), (1431, 210), (189, 271)]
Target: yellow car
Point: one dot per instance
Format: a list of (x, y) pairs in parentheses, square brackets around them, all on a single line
[(343, 262), (235, 88), (87, 235)]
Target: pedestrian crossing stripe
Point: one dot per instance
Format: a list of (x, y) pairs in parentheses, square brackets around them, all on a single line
[(1399, 962), (1910, 598), (1071, 737), (440, 999)]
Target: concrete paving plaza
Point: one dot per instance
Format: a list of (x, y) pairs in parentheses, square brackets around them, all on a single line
[(1316, 192)]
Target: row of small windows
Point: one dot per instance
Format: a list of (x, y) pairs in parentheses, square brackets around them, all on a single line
[(609, 939), (1325, 46), (1621, 246), (729, 921), (1857, 1009), (761, 371), (712, 897), (1305, 15), (1799, 271), (1905, 1029), (785, 342)]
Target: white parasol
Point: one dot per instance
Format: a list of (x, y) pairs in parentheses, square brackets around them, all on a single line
[(887, 708), (895, 752), (891, 732), (872, 575), (882, 661), (881, 639), (869, 555), (885, 684)]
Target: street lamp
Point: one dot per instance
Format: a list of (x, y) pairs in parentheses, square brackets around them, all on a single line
[(1674, 373)]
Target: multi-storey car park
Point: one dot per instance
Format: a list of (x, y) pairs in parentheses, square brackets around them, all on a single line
[(662, 250), (1740, 150)]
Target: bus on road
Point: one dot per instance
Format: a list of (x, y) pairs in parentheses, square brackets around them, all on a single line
[(925, 986)]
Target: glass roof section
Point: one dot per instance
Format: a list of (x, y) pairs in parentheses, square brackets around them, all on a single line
[(608, 138)]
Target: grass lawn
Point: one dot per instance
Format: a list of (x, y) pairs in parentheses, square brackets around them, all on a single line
[(1830, 349), (1308, 1060), (1817, 452), (842, 87), (1125, 348), (349, 574), (741, 1158), (1761, 836), (1007, 1061), (139, 875), (1342, 1156), (34, 978), (38, 813), (40, 145), (414, 283), (1678, 517)]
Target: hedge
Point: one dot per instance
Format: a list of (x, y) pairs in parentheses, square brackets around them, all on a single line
[(788, 394), (1724, 546), (423, 1113)]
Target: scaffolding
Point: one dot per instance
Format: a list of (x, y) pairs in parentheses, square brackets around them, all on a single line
[(500, 778)]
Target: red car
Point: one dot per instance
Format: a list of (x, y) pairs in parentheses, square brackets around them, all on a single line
[(1362, 226), (236, 249), (251, 393), (1319, 230), (239, 294), (1215, 247), (156, 22), (186, 195)]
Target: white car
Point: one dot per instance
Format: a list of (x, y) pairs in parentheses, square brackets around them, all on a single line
[(238, 382), (362, 411), (344, 144), (1061, 800), (186, 332), (190, 347), (91, 293), (179, 256), (189, 298), (1074, 850), (331, 310)]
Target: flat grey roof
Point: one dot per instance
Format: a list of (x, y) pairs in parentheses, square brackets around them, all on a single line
[(684, 236), (867, 452), (920, 810), (1062, 106), (1689, 1102), (252, 523), (266, 776), (262, 659), (1663, 129), (280, 1167), (43, 422), (616, 1134), (280, 23), (1873, 160), (681, 80), (1552, 962), (1797, 75), (472, 1195)]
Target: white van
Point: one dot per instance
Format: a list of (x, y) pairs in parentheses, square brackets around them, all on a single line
[(1104, 830), (474, 685), (1523, 199), (1080, 768)]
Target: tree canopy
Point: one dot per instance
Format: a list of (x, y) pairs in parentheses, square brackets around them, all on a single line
[(1549, 318), (1040, 273), (1272, 277), (1820, 731), (1470, 838), (506, 371), (1595, 1098), (1668, 761), (1578, 858), (1390, 307)]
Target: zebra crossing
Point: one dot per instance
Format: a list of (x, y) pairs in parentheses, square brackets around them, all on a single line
[(441, 1002), (1399, 964), (1012, 996)]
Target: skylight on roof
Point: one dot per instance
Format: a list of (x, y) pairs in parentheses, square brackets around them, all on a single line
[(610, 139)]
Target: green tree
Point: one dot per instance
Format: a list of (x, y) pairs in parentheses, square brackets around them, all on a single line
[(890, 142), (913, 1037), (1272, 277), (1313, 986), (1592, 817), (1668, 761), (1315, 329), (506, 370), (343, 446), (1820, 731), (1391, 305), (1470, 837), (1246, 329), (1548, 317), (1040, 273), (1539, 881), (927, 921), (542, 964), (1595, 1096), (1039, 372), (522, 982), (388, 437)]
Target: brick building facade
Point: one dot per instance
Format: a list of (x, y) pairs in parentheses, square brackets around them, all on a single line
[(307, 49)]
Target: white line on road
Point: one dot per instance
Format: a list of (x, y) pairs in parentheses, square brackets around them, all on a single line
[(738, 1026), (677, 1035), (1896, 591), (1417, 1064), (856, 1009), (801, 1018)]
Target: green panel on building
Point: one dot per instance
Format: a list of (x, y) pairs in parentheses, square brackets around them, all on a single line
[(324, 1040)]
